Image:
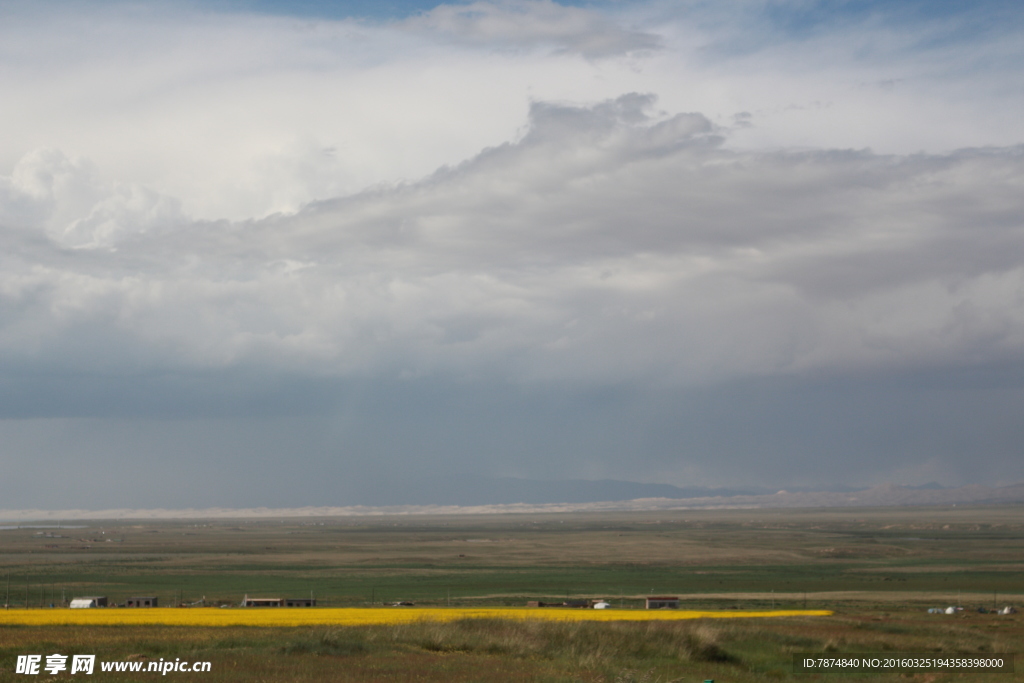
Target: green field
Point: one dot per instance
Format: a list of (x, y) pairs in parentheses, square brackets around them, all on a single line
[(879, 569)]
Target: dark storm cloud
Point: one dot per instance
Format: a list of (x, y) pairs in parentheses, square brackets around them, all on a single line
[(606, 245), (274, 259), (442, 442)]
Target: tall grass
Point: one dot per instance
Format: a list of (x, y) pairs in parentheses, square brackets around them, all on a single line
[(511, 650)]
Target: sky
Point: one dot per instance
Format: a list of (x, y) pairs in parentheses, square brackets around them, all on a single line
[(262, 253)]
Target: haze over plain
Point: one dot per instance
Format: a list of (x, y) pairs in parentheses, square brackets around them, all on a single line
[(282, 254)]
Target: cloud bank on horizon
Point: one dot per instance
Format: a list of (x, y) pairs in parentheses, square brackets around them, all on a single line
[(701, 243)]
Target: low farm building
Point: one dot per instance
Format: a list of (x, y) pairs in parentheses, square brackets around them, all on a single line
[(578, 604), (663, 602), (147, 601), (88, 602), (300, 602), (262, 602)]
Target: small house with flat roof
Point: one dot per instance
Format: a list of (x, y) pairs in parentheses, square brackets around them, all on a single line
[(300, 602), (262, 602), (147, 601), (663, 602)]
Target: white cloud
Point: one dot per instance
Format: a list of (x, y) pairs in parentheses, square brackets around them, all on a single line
[(65, 198), (534, 23), (239, 116), (129, 209), (48, 190)]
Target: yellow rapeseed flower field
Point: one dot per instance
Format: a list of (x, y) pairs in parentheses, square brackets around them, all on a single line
[(355, 616)]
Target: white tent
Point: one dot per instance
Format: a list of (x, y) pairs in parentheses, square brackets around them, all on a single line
[(83, 603)]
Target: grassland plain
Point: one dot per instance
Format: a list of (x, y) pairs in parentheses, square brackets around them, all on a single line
[(877, 568)]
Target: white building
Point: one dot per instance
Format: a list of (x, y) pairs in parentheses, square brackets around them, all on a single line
[(85, 603)]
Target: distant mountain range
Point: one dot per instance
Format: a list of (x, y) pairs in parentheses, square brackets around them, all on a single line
[(478, 490), (579, 496), (515, 490), (473, 490)]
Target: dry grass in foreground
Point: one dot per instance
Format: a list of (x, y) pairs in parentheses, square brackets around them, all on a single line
[(738, 651)]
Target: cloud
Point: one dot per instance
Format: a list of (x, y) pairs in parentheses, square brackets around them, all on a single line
[(610, 243), (239, 115), (65, 198), (527, 24), (513, 238), (47, 189)]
